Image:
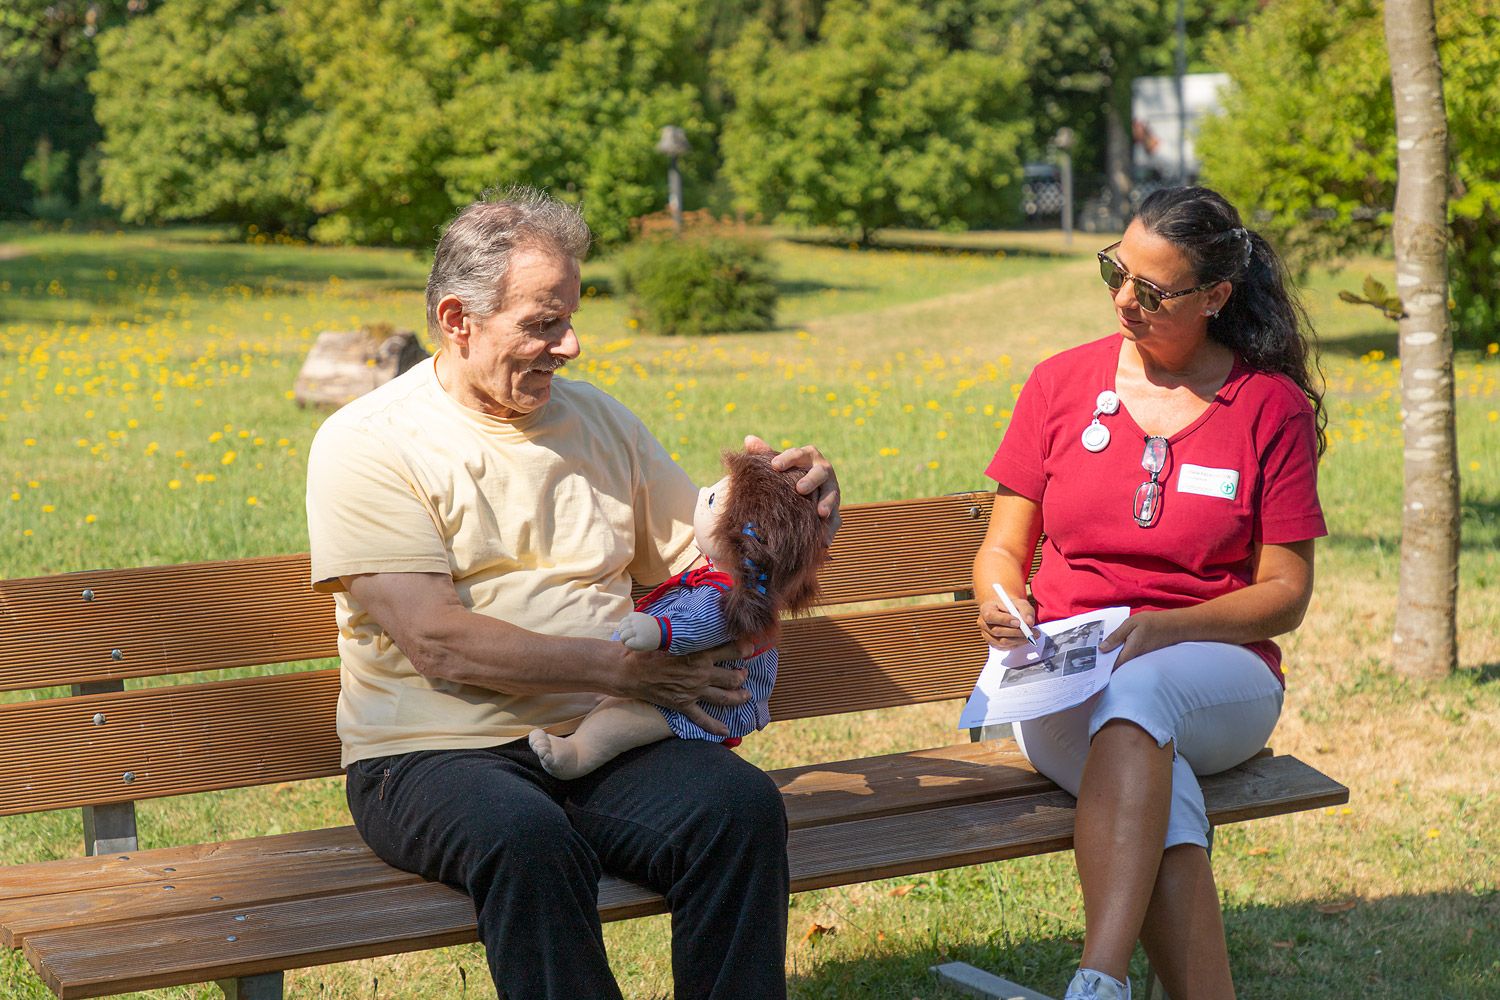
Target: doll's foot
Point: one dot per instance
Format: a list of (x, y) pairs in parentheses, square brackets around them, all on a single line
[(558, 755)]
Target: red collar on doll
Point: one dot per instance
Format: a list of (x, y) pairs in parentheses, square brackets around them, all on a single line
[(702, 576)]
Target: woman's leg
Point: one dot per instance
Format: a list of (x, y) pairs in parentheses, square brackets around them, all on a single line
[(1183, 933), (1124, 800), (1224, 714), (1123, 785), (1214, 705)]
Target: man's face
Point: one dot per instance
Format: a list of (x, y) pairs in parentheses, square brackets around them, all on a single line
[(506, 364)]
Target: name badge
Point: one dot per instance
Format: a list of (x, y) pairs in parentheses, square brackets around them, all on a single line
[(1206, 482)]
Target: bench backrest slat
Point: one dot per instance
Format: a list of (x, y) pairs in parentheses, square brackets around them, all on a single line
[(162, 620), (183, 738), (249, 612)]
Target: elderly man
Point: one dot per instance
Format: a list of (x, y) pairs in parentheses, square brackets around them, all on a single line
[(479, 520)]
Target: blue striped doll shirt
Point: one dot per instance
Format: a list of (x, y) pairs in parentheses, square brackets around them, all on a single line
[(690, 610)]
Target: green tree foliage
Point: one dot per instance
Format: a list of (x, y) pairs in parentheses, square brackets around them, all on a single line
[(878, 123), (203, 115), (1082, 55), (1307, 139), (422, 104), (47, 49)]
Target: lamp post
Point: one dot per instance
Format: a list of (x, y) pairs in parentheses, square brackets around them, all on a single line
[(1063, 142), (673, 143)]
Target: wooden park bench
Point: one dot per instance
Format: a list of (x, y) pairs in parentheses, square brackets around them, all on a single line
[(139, 914)]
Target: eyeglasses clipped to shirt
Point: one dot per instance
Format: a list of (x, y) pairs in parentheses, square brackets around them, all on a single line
[(1148, 495)]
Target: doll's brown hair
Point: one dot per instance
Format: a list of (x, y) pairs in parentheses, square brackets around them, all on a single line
[(771, 538)]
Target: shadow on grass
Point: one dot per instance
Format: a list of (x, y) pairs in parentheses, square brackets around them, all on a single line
[(810, 287), (82, 272), (1433, 945), (940, 244)]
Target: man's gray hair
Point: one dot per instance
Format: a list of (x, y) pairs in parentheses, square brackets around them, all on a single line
[(473, 256)]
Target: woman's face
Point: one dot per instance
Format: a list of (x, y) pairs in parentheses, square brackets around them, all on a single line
[(1180, 324)]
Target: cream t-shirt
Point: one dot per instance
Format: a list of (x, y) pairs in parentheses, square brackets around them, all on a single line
[(542, 521)]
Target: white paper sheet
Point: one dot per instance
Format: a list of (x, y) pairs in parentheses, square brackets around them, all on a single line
[(1018, 685)]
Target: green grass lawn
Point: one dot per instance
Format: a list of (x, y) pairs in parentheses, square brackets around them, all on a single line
[(145, 417)]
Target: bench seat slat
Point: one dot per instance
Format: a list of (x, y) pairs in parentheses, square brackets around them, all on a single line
[(187, 738), (248, 612), (175, 950), (53, 895)]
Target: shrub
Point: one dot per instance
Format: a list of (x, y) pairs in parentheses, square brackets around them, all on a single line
[(701, 285)]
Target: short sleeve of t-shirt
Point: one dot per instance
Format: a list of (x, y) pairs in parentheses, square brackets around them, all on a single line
[(1017, 464), (664, 502), (1289, 509), (363, 511)]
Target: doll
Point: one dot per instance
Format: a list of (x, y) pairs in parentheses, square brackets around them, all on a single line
[(764, 544)]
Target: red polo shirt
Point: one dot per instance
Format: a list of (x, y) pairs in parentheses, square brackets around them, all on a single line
[(1244, 473)]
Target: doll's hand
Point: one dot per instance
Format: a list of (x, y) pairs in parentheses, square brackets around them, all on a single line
[(640, 631)]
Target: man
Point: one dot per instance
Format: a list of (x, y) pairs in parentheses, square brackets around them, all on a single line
[(479, 521)]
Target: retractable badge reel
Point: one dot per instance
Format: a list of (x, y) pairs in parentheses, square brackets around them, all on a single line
[(1096, 435)]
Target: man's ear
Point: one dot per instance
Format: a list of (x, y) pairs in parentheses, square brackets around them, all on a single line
[(450, 319)]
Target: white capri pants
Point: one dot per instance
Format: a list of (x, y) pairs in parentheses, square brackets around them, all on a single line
[(1216, 702)]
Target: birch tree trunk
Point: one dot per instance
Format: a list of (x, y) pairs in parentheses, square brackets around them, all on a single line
[(1426, 633)]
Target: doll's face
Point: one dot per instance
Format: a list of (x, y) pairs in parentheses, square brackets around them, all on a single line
[(711, 503)]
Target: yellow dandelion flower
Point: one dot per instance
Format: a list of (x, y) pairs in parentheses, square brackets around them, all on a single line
[(31, 442), (1435, 833), (14, 495), (228, 458), (48, 508), (89, 519), (289, 394), (174, 484), (933, 464), (282, 442), (729, 407), (251, 501), (27, 533)]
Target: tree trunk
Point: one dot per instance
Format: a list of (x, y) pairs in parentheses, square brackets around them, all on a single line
[(1118, 154), (1426, 633)]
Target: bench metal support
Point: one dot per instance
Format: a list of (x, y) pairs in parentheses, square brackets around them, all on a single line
[(267, 986), (974, 982), (109, 828)]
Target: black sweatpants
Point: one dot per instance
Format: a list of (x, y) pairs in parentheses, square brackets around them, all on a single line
[(687, 818)]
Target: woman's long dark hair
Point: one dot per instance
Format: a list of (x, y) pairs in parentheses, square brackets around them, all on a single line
[(1263, 320)]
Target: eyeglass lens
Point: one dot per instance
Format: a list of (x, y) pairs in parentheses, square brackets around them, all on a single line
[(1115, 275), (1147, 503), (1154, 458)]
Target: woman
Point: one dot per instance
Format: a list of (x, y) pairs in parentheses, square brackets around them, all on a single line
[(1173, 468)]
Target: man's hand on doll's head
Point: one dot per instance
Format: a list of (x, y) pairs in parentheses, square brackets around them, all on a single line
[(820, 481), (640, 631)]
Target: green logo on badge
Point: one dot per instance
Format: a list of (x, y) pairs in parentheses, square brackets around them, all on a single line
[(1227, 488)]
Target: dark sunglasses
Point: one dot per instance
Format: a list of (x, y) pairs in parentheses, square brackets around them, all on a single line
[(1148, 295)]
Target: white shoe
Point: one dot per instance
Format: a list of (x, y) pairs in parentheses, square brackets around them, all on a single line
[(1090, 985)]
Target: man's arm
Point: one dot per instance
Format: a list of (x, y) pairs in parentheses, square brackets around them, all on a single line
[(444, 640)]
